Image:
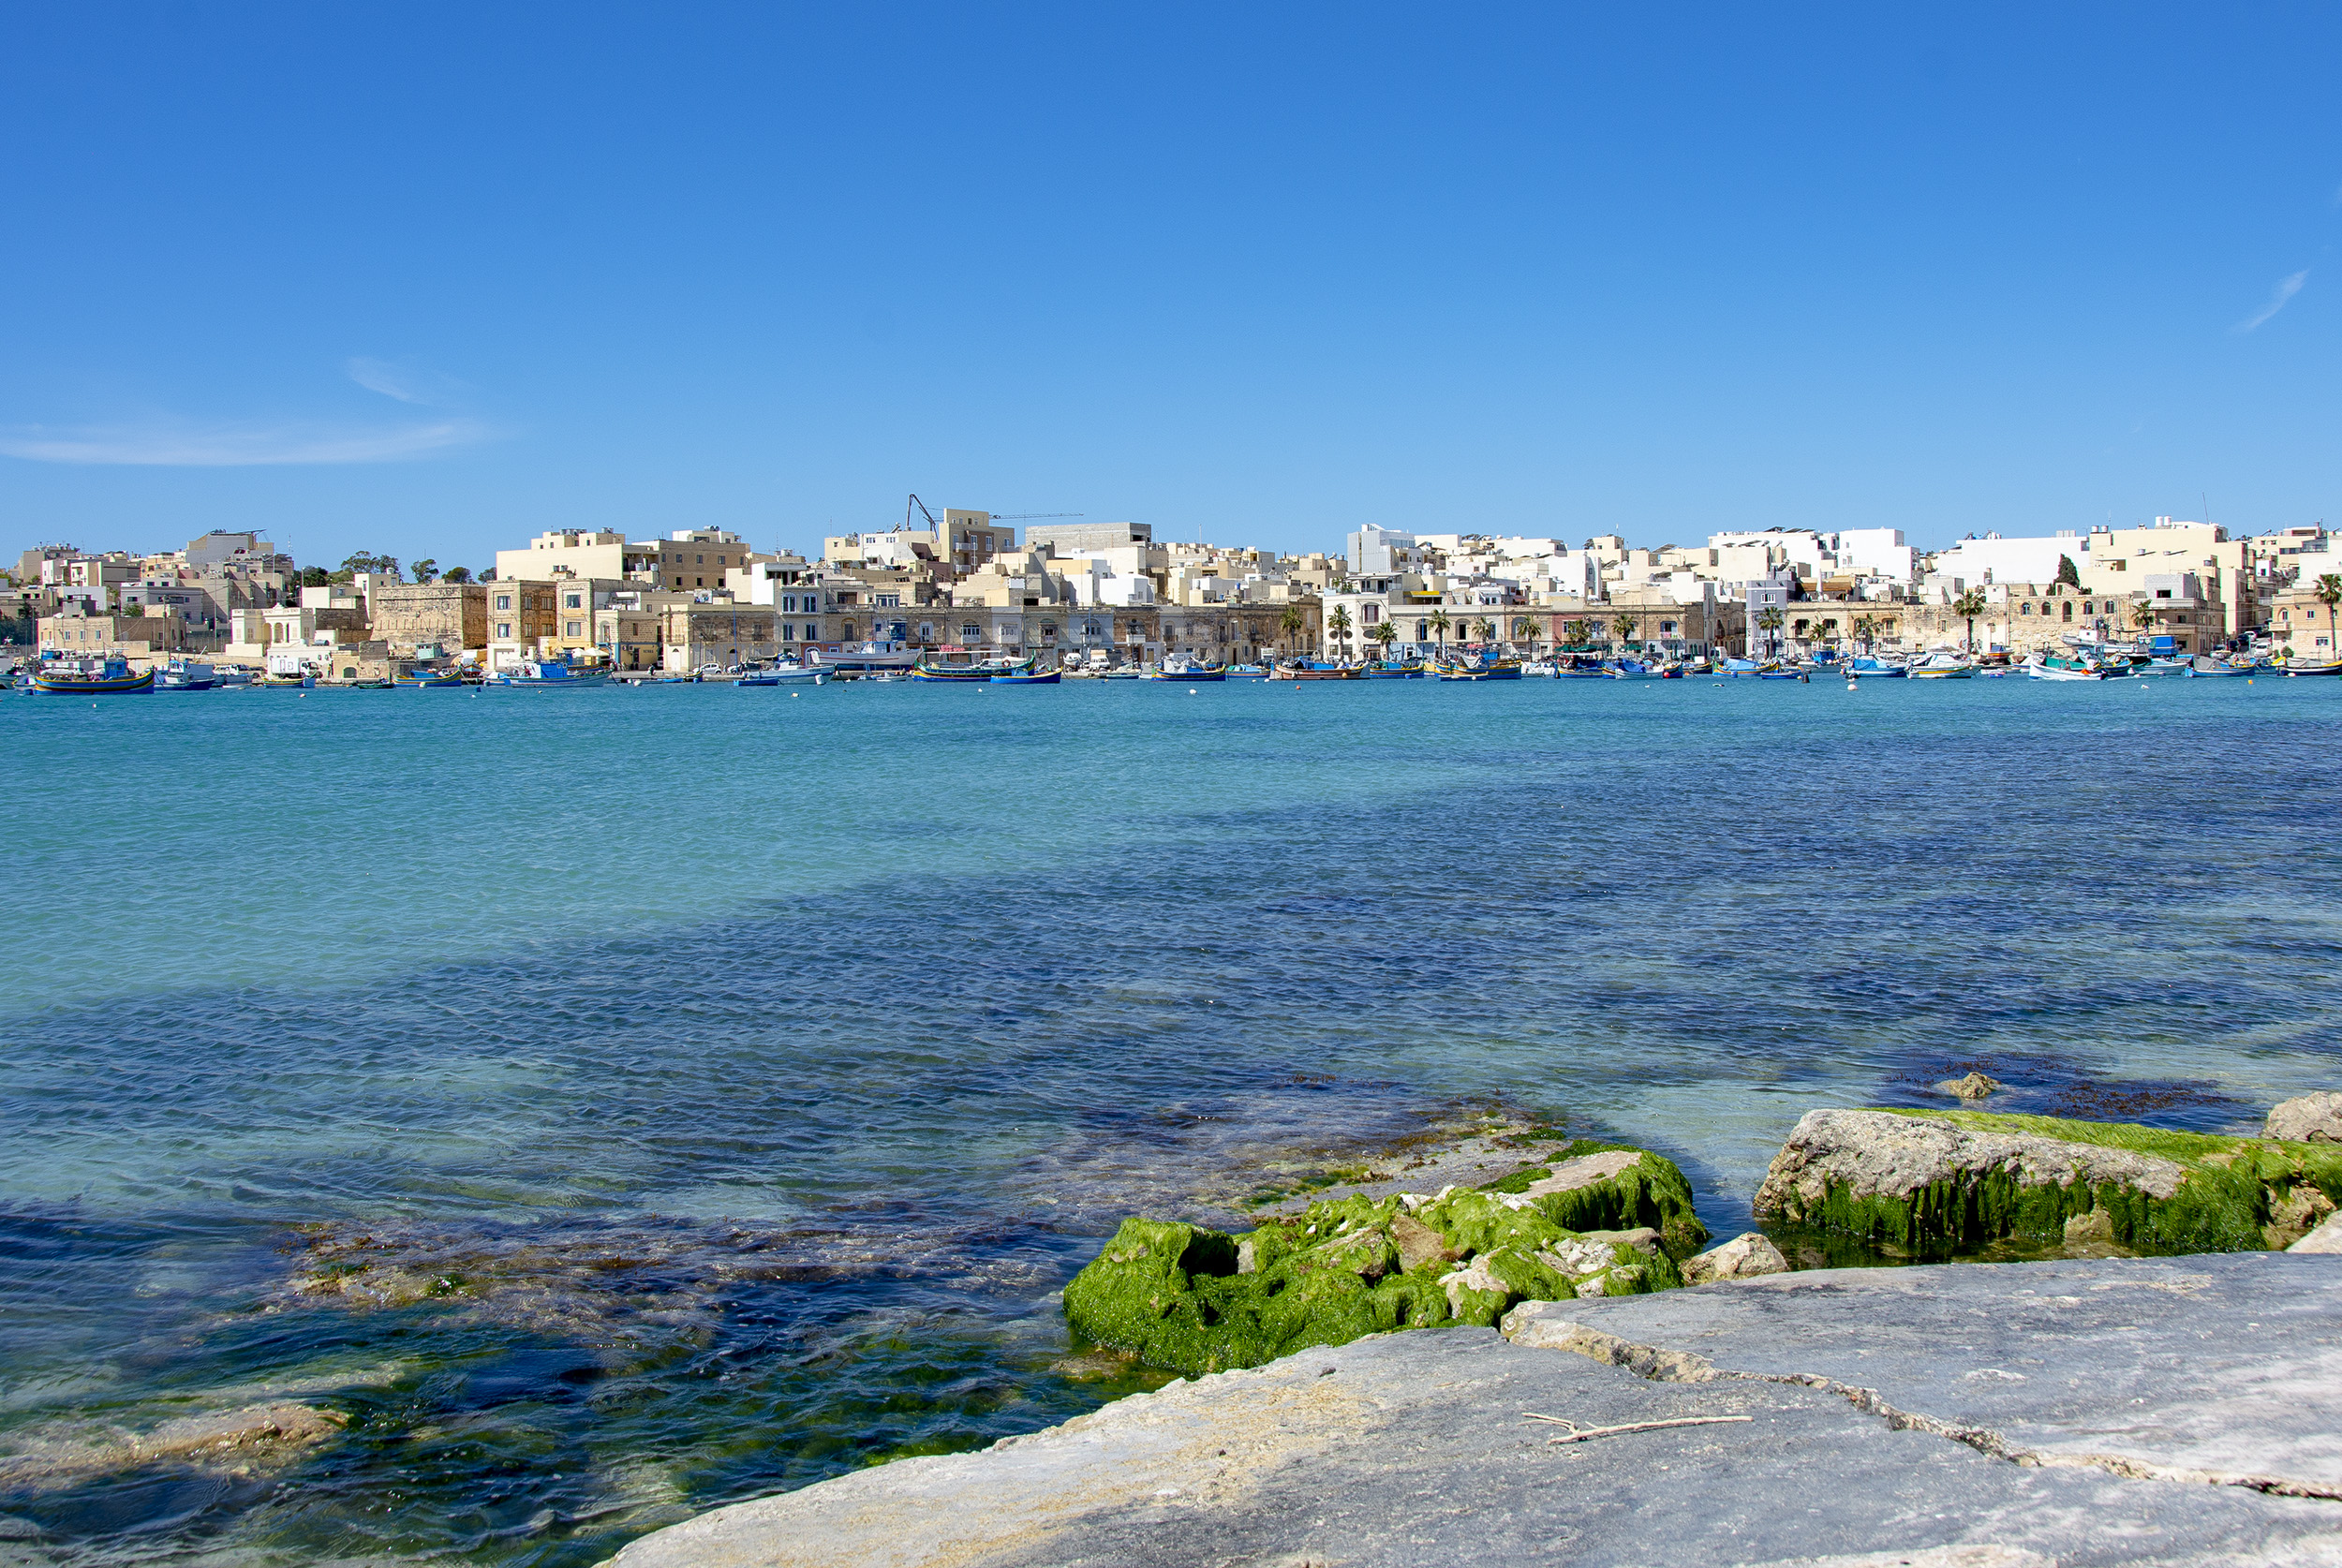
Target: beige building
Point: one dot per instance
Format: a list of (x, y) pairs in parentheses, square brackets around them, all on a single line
[(2300, 621), (722, 634), (521, 614), (133, 636), (451, 616)]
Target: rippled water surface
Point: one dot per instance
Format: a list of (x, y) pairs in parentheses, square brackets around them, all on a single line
[(607, 1104)]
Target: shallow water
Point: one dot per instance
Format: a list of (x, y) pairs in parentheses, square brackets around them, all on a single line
[(702, 1092)]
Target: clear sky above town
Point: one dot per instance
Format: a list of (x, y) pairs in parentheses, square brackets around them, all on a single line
[(429, 279)]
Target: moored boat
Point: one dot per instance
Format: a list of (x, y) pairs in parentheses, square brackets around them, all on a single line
[(2320, 667), (108, 675), (2206, 666), (550, 673), (430, 680), (1314, 673), (1941, 666), (790, 673), (182, 676), (974, 670), (1028, 677), (1871, 668)]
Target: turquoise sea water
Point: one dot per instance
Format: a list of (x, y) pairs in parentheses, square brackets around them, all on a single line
[(735, 1075)]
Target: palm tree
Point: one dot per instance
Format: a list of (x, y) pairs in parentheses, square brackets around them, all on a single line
[(1769, 621), (1524, 631), (1580, 632), (1486, 628), (1338, 625), (1969, 606), (2142, 613), (1291, 623), (2330, 594), (1866, 631), (1623, 627), (1438, 623), (1385, 634)]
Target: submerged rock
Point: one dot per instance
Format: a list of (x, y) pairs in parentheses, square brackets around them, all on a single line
[(1933, 1184), (1600, 1221), (253, 1436), (1976, 1085), (2310, 1118)]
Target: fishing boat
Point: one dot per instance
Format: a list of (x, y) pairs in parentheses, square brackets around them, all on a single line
[(2056, 669), (304, 678), (1870, 668), (2322, 667), (1738, 669), (1178, 668), (974, 670), (1578, 667), (1248, 672), (548, 674), (1939, 667), (1028, 677), (230, 675), (1314, 673), (107, 675), (1631, 669), (428, 680), (868, 656), (2206, 666), (789, 674), (181, 676), (1482, 669)]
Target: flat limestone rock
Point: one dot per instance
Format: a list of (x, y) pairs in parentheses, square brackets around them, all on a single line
[(1883, 1154), (1743, 1257), (2311, 1118), (2225, 1368), (2327, 1238), (1403, 1449)]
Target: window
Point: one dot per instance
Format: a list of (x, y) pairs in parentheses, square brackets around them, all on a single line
[(699, 560), (1370, 613), (504, 629), (504, 601), (788, 632), (572, 602), (969, 632), (788, 604), (573, 628), (890, 601)]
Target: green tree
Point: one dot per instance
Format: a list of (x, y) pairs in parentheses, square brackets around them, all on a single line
[(1438, 623), (1623, 627), (135, 610), (1291, 623), (1524, 631), (1770, 621), (426, 569), (2068, 572), (1866, 631), (1338, 625), (1486, 628), (386, 566), (2142, 613), (1969, 606), (1385, 634), (313, 577), (1578, 633), (2329, 593), (463, 574)]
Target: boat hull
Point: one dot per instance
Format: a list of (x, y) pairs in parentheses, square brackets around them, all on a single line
[(1052, 678), (68, 685)]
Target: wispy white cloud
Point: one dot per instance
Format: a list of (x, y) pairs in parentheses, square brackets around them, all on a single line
[(177, 445), (2279, 299), (405, 380)]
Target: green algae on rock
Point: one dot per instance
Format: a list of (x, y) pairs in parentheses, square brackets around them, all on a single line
[(1600, 1221), (1936, 1184)]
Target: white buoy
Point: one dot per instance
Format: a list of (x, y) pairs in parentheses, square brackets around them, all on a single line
[(1191, 691), (792, 696)]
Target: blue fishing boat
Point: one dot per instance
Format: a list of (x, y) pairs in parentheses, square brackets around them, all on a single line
[(550, 673), (1248, 673), (430, 680), (1028, 677), (1578, 667), (1483, 669), (1868, 667), (108, 676)]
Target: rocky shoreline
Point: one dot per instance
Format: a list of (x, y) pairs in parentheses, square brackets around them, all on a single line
[(1566, 1244)]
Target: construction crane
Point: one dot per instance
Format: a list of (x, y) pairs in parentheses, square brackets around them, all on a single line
[(1028, 516), (932, 524)]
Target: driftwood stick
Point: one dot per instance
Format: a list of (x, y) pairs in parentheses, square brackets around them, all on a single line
[(1579, 1434)]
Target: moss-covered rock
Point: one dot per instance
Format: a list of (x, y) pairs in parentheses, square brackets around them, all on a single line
[(1937, 1184), (1600, 1221)]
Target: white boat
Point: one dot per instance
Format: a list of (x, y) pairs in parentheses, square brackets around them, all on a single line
[(1941, 666), (2161, 666), (1867, 668), (185, 675), (790, 673), (2043, 669), (1545, 667), (872, 656)]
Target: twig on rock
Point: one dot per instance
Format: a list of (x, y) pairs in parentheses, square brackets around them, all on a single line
[(1579, 1434)]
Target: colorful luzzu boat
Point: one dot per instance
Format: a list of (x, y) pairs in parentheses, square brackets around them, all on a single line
[(109, 676)]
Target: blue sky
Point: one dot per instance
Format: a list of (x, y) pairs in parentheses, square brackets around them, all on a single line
[(428, 279)]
